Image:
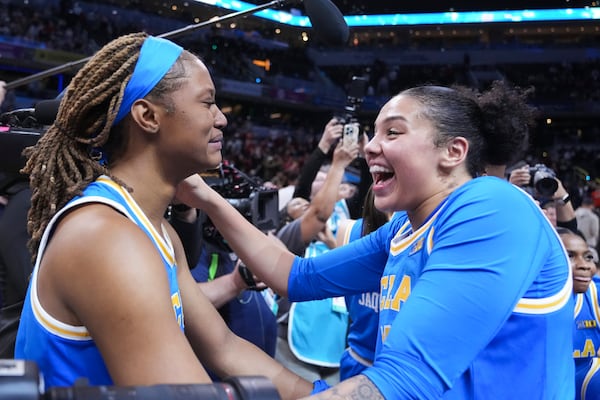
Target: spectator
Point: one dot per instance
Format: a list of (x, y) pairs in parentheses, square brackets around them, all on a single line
[(586, 328), (313, 354)]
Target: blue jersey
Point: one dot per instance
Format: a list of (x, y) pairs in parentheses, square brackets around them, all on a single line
[(475, 303), (586, 343), (64, 352), (363, 312)]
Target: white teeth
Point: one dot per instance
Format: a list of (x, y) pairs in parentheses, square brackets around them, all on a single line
[(379, 169)]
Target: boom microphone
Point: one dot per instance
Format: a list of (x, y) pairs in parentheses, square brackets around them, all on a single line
[(45, 111), (327, 21)]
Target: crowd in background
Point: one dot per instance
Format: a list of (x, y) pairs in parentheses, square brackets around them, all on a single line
[(274, 149), (273, 144)]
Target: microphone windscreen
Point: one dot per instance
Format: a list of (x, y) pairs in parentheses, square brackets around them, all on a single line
[(328, 22), (46, 110)]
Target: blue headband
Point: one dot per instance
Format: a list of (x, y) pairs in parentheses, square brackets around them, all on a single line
[(157, 56)]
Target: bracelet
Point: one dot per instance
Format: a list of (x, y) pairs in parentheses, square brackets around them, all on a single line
[(564, 200)]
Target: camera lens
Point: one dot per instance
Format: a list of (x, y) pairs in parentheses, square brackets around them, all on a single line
[(546, 186)]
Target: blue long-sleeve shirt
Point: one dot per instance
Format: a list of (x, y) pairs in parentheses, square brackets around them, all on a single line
[(475, 303)]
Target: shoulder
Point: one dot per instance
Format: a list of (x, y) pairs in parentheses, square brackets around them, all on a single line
[(494, 206), (492, 192), (95, 234)]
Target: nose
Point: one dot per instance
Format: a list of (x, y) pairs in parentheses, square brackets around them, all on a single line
[(581, 263), (371, 147), (220, 118)]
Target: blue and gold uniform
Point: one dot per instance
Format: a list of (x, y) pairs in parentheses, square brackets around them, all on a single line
[(363, 310), (65, 353), (586, 343), (471, 306)]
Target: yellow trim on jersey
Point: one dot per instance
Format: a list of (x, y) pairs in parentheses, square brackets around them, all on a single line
[(348, 231), (47, 321), (588, 377), (401, 241), (164, 244), (400, 244), (430, 240), (548, 304), (578, 304), (594, 295)]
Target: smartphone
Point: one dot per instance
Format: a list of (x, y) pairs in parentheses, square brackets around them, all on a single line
[(350, 134)]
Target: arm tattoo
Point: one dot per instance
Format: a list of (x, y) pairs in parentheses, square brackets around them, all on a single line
[(357, 388)]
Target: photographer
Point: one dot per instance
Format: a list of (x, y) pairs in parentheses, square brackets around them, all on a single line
[(565, 214)]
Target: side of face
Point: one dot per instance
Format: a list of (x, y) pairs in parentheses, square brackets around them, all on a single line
[(402, 156), (582, 261), (194, 127)]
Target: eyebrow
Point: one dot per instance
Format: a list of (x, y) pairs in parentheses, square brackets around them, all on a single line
[(393, 118)]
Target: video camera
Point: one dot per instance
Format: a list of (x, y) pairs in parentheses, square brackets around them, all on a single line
[(20, 129), (21, 380), (258, 204), (354, 99), (543, 179)]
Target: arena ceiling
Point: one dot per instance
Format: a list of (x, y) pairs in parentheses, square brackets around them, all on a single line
[(360, 7)]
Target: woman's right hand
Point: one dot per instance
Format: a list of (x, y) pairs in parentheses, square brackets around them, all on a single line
[(193, 191)]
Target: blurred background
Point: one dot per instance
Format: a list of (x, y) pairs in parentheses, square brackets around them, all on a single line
[(279, 84)]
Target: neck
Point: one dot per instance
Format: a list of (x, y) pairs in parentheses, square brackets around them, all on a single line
[(418, 216), (149, 191)]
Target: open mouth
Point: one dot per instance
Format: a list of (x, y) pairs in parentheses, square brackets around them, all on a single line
[(380, 174)]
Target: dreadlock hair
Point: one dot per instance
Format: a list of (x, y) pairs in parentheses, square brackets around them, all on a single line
[(63, 163)]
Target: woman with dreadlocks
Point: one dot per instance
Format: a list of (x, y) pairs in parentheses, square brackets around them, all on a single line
[(111, 298)]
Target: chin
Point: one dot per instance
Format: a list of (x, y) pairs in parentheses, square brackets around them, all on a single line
[(384, 206)]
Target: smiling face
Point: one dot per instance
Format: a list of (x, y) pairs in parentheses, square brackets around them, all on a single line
[(194, 123), (582, 261), (410, 172)]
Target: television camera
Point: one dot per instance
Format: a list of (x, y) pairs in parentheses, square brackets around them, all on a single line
[(21, 380), (257, 203)]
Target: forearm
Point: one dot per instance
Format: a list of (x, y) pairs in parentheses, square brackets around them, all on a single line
[(308, 172), (564, 212), (358, 387), (266, 258), (243, 358), (220, 290), (324, 201)]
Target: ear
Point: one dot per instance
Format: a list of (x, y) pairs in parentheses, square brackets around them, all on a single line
[(145, 115), (455, 153)]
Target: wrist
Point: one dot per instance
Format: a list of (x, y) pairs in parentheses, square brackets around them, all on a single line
[(324, 147), (564, 199)]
